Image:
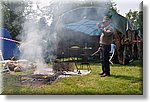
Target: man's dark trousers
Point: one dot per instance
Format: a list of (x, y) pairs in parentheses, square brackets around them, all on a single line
[(105, 59)]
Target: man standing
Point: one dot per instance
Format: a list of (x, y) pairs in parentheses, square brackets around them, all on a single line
[(105, 41)]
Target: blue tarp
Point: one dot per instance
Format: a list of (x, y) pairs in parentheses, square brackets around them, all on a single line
[(85, 26), (9, 49), (89, 27)]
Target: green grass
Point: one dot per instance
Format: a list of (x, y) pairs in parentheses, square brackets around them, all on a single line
[(124, 80)]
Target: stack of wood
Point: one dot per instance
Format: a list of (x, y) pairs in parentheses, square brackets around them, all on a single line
[(16, 66), (13, 66)]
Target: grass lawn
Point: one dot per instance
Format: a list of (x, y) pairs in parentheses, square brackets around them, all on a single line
[(124, 80)]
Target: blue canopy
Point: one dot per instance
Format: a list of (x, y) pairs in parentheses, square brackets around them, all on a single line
[(9, 49), (89, 27), (85, 26)]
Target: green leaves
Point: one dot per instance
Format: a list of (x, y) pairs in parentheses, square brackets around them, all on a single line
[(136, 18)]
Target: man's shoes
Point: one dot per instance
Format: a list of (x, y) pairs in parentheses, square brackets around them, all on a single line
[(106, 74), (101, 73)]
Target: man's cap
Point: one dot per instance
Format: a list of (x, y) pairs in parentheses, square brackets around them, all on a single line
[(105, 19)]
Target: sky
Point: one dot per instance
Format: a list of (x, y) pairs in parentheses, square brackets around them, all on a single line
[(125, 5)]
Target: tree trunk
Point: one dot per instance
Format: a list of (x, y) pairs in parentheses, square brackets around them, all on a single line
[(63, 66)]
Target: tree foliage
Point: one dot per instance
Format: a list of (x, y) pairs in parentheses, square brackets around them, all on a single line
[(12, 17), (136, 18)]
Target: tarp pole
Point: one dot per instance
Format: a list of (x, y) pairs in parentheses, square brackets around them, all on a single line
[(10, 40)]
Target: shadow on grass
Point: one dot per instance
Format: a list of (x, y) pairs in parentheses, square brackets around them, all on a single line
[(131, 78), (137, 63)]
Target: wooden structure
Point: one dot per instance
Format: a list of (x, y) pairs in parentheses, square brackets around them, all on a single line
[(129, 46)]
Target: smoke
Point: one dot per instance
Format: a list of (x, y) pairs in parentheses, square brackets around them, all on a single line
[(31, 48), (83, 9), (38, 43)]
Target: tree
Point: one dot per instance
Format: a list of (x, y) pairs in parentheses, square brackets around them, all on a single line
[(135, 17), (141, 21), (12, 17)]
